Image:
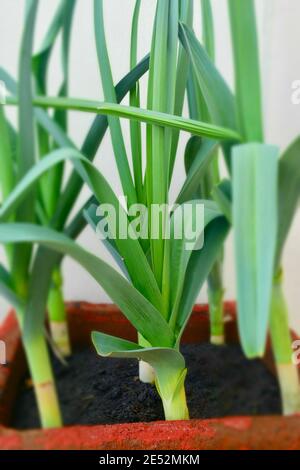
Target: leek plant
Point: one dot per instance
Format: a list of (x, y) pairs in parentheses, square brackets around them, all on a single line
[(27, 280), (138, 296), (161, 277), (46, 198), (18, 153), (261, 226), (50, 185), (261, 198)]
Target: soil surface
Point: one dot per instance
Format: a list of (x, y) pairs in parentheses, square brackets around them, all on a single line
[(94, 390)]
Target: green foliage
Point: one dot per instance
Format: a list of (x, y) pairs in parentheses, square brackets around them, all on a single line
[(160, 278)]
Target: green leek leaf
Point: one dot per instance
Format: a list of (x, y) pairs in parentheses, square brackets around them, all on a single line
[(199, 128), (140, 312), (200, 154), (26, 142), (199, 267), (255, 234), (130, 248), (247, 70), (218, 97), (110, 95)]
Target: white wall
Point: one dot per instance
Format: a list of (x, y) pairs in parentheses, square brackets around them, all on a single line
[(278, 26)]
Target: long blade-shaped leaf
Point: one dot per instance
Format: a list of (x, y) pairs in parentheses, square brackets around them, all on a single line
[(61, 117), (255, 232), (169, 364), (90, 214), (53, 181), (208, 28), (92, 142), (7, 173), (213, 175), (137, 308), (222, 194), (110, 95), (161, 88), (130, 248), (198, 269), (199, 128), (40, 60), (26, 150), (185, 16), (246, 66), (7, 168), (26, 119), (27, 183), (202, 153), (44, 120), (182, 249), (134, 100), (218, 97)]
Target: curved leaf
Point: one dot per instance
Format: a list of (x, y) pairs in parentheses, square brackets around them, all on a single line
[(46, 122), (222, 194), (169, 364), (92, 142), (200, 157), (218, 97), (198, 269), (40, 59), (25, 185), (182, 250), (140, 312), (90, 214), (140, 273)]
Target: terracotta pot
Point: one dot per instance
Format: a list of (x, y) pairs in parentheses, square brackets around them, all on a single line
[(227, 433)]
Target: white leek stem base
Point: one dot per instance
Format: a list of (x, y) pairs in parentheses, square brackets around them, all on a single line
[(290, 388), (146, 373), (60, 336), (47, 400), (217, 340)]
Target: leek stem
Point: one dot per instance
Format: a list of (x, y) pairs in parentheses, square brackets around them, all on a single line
[(282, 347), (215, 297), (57, 315), (146, 372), (174, 399), (43, 381)]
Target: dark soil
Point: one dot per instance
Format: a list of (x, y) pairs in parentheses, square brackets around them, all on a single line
[(94, 390)]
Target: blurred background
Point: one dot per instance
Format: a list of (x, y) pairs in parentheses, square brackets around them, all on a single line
[(278, 25)]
